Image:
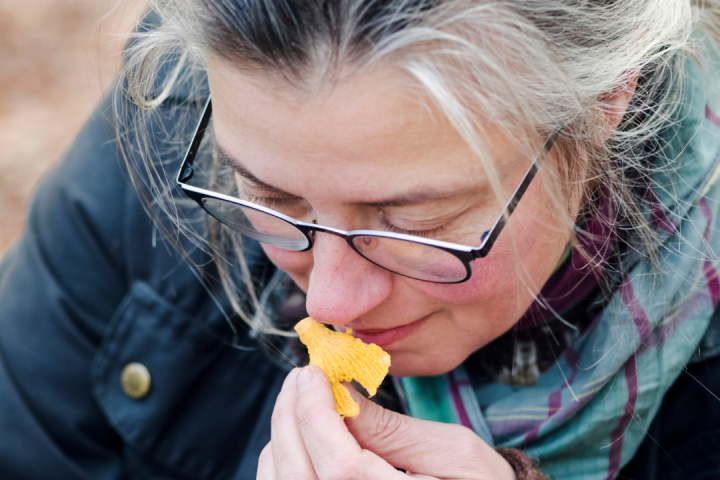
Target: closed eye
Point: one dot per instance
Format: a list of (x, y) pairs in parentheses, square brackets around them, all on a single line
[(418, 233), (279, 202)]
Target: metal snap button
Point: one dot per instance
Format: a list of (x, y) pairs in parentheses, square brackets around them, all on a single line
[(135, 380)]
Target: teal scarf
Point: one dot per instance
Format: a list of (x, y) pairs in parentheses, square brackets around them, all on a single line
[(587, 415)]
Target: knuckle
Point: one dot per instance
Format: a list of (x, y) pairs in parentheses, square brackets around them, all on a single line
[(469, 448), (343, 467), (306, 415), (279, 415), (307, 424), (387, 425), (467, 436)]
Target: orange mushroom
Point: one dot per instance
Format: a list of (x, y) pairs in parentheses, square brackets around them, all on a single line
[(343, 358)]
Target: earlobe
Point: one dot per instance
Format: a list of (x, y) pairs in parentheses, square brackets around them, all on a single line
[(614, 107)]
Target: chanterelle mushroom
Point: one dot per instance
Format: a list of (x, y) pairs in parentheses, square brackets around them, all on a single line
[(343, 358)]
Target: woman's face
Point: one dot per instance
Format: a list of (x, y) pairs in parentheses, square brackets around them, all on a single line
[(368, 155)]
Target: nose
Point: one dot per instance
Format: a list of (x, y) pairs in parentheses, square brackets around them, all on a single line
[(343, 285)]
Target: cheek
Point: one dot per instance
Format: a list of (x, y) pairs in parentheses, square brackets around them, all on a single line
[(517, 264), (522, 259), (492, 277)]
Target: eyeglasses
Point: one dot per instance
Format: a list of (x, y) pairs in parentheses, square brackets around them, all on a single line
[(407, 255)]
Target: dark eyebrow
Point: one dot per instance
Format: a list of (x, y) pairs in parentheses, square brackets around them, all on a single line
[(235, 164), (402, 200)]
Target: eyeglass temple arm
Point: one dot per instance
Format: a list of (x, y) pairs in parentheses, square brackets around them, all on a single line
[(491, 235), (186, 169)]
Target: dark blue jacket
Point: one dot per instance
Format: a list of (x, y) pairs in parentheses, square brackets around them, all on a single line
[(91, 287)]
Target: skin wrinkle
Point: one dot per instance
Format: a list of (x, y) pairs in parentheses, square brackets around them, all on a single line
[(417, 196), (363, 143)]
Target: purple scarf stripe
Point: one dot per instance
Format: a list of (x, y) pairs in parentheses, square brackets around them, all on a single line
[(636, 311), (575, 279), (661, 220), (657, 213), (508, 427), (710, 115), (661, 334), (555, 404), (532, 434), (501, 428), (710, 273), (457, 400), (616, 437)]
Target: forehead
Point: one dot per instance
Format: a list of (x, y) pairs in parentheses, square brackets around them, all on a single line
[(370, 133)]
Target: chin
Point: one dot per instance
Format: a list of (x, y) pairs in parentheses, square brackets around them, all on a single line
[(416, 365)]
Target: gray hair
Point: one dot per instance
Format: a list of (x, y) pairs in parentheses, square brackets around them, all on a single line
[(527, 65)]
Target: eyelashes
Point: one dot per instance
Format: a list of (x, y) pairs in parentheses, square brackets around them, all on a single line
[(418, 233), (268, 202), (279, 202)]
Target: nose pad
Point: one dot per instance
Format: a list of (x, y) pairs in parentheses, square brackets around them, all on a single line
[(368, 244)]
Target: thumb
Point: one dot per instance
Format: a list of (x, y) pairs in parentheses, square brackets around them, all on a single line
[(424, 447)]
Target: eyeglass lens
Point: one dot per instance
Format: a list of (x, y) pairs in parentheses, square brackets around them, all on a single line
[(258, 225), (415, 260)]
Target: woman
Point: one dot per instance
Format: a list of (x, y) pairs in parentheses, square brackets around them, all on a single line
[(516, 200)]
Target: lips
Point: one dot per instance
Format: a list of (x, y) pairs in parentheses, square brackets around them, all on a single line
[(388, 336)]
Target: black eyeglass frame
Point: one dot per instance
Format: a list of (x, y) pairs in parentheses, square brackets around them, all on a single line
[(464, 253)]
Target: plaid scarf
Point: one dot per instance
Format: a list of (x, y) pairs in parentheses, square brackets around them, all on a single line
[(587, 414)]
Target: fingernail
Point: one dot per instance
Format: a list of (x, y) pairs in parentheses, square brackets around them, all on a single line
[(304, 378), (289, 379)]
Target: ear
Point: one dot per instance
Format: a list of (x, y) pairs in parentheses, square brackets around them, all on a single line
[(615, 105)]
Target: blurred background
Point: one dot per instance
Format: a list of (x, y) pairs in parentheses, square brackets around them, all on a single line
[(57, 58)]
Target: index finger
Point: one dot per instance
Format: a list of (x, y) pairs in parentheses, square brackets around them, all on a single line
[(290, 460), (332, 448)]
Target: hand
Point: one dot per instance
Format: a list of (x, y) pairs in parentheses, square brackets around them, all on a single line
[(311, 442)]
